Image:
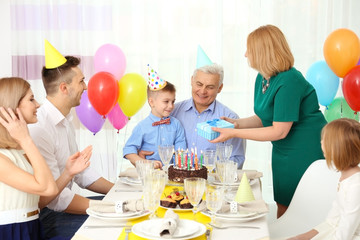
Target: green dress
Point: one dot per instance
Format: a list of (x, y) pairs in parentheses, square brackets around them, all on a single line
[(290, 98)]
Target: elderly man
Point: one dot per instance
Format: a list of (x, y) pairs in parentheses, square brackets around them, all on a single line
[(206, 84)]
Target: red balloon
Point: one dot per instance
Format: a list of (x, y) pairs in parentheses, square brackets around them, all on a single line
[(103, 92), (351, 88)]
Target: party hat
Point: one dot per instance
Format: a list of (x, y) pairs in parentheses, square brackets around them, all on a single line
[(202, 58), (53, 58), (154, 81), (244, 192)]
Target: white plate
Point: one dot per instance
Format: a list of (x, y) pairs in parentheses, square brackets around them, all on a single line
[(185, 230), (177, 209), (234, 184), (112, 214), (235, 219), (119, 218), (130, 181)]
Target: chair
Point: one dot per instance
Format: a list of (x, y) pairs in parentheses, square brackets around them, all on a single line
[(311, 202)]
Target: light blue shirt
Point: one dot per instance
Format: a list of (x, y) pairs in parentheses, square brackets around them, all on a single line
[(187, 114), (147, 137)]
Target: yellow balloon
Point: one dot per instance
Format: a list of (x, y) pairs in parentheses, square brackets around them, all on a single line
[(342, 51), (132, 93)]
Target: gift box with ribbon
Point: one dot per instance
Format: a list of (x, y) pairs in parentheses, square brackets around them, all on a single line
[(204, 128)]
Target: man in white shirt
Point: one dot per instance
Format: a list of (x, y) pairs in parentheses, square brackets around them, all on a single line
[(54, 135)]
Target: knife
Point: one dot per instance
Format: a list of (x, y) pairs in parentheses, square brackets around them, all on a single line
[(105, 226)]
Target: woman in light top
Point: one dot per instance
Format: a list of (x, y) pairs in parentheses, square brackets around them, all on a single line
[(341, 146), (24, 174)]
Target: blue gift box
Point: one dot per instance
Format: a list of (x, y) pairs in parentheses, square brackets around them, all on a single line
[(204, 128)]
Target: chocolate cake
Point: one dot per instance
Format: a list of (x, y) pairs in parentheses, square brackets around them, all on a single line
[(178, 175), (168, 202), (185, 204)]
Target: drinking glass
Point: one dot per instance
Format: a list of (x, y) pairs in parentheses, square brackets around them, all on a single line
[(143, 167), (194, 188), (166, 152), (154, 184), (214, 199), (223, 151), (210, 157), (226, 172)]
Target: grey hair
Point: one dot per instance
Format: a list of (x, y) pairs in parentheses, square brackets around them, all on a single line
[(212, 69)]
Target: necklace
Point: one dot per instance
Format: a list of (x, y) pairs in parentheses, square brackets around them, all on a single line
[(265, 86)]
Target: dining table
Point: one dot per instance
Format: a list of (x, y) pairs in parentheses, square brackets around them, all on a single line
[(95, 228)]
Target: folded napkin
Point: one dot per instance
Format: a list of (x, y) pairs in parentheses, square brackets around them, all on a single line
[(130, 172), (258, 206), (250, 174), (133, 205), (169, 224)]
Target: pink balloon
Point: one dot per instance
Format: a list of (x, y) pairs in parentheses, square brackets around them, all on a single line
[(117, 118), (88, 116), (110, 58)]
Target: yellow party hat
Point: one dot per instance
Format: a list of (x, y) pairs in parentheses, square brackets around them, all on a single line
[(53, 58), (244, 192)]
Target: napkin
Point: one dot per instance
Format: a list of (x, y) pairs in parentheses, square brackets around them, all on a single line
[(251, 174), (130, 172), (133, 205), (258, 206), (169, 224)]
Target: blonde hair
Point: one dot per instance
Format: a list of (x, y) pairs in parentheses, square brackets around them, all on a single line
[(341, 140), (268, 51), (12, 91)]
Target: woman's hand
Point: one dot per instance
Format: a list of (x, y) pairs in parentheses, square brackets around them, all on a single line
[(225, 134), (79, 161), (231, 120), (16, 126)]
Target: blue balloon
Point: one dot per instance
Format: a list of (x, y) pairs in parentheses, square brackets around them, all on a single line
[(325, 82)]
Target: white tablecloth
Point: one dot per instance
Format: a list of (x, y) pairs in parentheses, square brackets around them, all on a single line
[(122, 191)]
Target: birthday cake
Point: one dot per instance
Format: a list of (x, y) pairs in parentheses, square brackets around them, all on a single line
[(178, 174)]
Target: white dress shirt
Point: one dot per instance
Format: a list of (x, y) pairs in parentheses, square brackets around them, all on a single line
[(54, 135)]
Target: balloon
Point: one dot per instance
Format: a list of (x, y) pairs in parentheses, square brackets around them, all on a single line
[(132, 93), (117, 118), (103, 92), (88, 115), (339, 109), (110, 58), (325, 82), (342, 51), (351, 88)]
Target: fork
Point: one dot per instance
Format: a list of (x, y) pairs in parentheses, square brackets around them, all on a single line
[(127, 231), (231, 226)]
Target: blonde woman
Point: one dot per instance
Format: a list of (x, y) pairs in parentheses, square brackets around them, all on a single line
[(24, 174), (286, 112), (341, 146)]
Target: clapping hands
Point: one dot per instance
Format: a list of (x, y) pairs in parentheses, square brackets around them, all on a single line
[(79, 161)]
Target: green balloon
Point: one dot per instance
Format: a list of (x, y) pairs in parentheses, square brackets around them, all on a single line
[(339, 108)]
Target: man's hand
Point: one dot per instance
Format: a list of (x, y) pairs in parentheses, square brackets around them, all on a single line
[(143, 153)]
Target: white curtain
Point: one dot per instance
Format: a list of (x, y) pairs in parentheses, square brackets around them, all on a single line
[(165, 34)]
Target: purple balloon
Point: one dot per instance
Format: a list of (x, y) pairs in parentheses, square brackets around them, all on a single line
[(88, 116), (117, 118), (358, 63), (110, 58)]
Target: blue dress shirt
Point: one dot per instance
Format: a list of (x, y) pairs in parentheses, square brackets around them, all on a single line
[(147, 137), (187, 114)]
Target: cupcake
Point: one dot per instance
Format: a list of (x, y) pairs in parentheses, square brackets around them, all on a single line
[(177, 196), (168, 202)]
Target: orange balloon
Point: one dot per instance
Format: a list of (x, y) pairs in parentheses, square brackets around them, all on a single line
[(342, 51)]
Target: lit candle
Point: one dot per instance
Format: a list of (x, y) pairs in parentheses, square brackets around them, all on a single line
[(179, 159), (192, 157)]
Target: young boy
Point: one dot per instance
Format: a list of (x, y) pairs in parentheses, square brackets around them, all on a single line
[(159, 128)]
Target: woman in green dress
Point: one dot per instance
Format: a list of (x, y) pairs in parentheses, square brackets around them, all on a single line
[(286, 113)]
